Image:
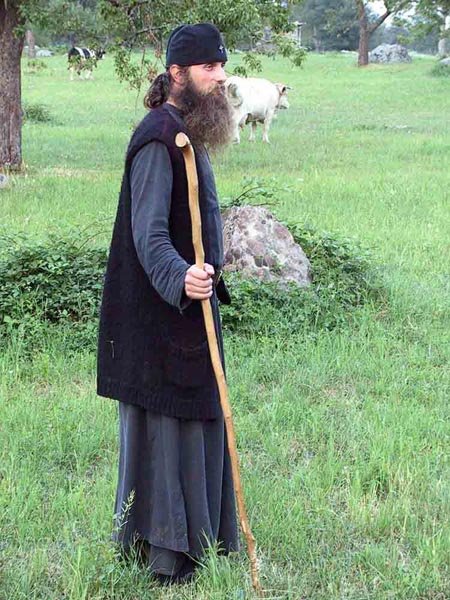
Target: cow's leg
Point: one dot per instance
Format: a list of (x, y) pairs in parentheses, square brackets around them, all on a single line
[(88, 73), (236, 136), (71, 71), (252, 131), (267, 122)]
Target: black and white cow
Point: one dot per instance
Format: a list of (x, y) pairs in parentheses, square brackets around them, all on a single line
[(83, 59)]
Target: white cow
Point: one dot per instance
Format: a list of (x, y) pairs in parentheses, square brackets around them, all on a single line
[(255, 101)]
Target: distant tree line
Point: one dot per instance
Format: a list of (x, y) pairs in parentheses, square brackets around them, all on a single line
[(333, 25)]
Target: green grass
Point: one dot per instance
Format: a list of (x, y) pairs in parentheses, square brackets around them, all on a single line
[(344, 437)]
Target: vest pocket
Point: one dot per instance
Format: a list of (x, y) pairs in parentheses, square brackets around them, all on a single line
[(188, 366)]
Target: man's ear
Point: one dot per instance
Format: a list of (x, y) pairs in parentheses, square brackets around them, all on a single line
[(177, 73)]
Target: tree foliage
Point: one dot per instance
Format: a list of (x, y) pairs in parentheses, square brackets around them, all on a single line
[(65, 19), (329, 24), (142, 24), (128, 25), (429, 18)]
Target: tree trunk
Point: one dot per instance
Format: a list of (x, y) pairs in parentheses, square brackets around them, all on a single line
[(363, 48), (443, 46), (10, 95), (31, 42), (318, 47), (366, 30)]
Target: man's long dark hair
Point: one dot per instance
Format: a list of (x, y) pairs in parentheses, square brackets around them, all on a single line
[(160, 89)]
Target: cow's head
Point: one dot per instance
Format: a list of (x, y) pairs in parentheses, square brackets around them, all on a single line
[(100, 53), (283, 101), (233, 93)]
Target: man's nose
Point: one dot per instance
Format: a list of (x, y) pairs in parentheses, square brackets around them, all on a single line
[(221, 75)]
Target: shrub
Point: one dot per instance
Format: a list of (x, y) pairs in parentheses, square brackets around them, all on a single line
[(340, 264), (440, 70), (55, 281), (345, 277), (59, 281), (37, 113)]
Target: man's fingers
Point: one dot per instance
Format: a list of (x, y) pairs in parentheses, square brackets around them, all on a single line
[(205, 273), (198, 293), (209, 269), (200, 283), (195, 296), (197, 290), (197, 273)]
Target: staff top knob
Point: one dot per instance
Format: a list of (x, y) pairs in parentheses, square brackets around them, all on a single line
[(182, 140)]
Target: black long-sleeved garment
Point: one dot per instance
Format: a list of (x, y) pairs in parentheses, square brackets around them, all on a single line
[(151, 188)]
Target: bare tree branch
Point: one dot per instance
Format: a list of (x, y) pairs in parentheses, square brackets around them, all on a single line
[(381, 19)]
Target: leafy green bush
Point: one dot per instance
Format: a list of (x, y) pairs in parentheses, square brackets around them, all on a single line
[(59, 282), (345, 277), (340, 264), (55, 281), (38, 113), (440, 70)]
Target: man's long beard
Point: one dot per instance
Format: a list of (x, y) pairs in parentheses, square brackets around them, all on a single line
[(208, 117)]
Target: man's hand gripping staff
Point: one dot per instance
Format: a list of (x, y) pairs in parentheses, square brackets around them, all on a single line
[(198, 282)]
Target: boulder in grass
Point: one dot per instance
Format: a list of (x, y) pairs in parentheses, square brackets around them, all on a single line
[(445, 61), (258, 246), (389, 53), (41, 53)]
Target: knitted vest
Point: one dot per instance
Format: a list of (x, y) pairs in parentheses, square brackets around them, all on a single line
[(149, 354)]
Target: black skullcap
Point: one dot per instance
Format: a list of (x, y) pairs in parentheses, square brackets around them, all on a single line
[(195, 45)]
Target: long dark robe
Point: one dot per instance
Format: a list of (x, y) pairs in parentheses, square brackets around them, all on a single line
[(180, 474)]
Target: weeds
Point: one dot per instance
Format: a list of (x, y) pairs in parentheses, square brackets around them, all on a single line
[(36, 113), (440, 70)]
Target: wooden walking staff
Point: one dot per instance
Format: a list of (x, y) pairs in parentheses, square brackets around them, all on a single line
[(182, 141)]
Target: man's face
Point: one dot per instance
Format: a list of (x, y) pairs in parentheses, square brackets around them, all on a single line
[(200, 94), (207, 77)]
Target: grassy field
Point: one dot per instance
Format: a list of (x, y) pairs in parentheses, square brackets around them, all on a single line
[(344, 436)]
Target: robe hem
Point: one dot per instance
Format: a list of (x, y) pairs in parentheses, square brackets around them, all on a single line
[(164, 404)]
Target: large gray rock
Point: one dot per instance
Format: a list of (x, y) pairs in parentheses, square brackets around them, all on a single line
[(257, 245), (389, 53), (44, 53), (445, 61)]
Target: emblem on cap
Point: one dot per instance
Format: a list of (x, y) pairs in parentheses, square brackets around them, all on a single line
[(221, 48)]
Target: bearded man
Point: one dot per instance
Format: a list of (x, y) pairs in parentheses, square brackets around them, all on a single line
[(175, 492)]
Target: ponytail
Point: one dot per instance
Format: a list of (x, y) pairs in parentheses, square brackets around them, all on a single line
[(158, 91)]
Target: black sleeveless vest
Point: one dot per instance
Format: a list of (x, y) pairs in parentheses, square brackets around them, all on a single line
[(149, 353)]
